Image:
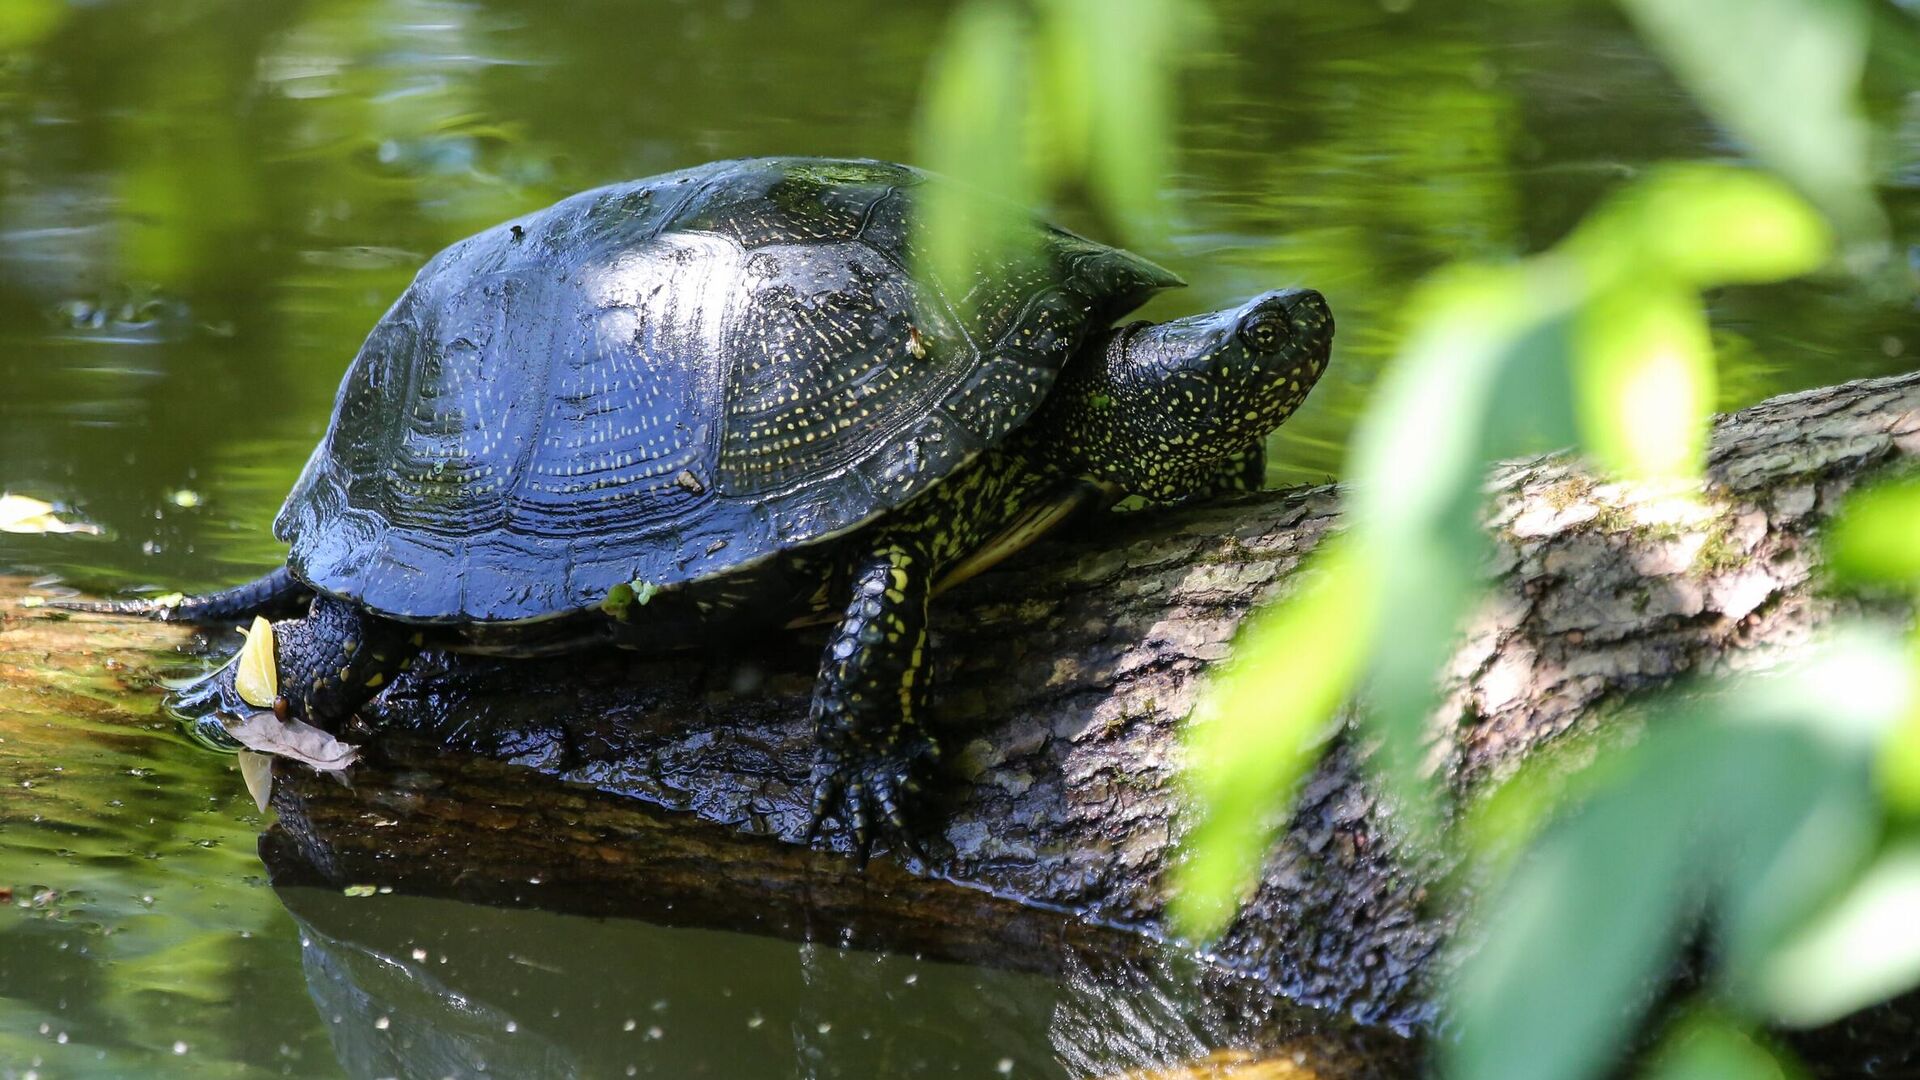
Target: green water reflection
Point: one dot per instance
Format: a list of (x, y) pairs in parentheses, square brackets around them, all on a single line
[(204, 204)]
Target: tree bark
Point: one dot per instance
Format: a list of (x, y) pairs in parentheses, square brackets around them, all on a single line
[(675, 787)]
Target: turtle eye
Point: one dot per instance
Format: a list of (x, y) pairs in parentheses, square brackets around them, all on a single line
[(1264, 331)]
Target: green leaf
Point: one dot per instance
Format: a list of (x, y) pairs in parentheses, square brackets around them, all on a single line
[(1706, 1046), (1748, 805), (1864, 949), (1104, 116), (1063, 73), (1877, 536), (1131, 57), (1784, 76), (1703, 225), (26, 22), (1484, 376), (971, 123), (1898, 766), (1259, 728), (1501, 823), (1589, 915), (1643, 366), (1703, 812)]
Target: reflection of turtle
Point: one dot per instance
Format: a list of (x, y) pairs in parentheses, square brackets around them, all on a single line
[(717, 395)]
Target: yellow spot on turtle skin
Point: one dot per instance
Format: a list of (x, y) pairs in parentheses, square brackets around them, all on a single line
[(418, 639), (378, 678)]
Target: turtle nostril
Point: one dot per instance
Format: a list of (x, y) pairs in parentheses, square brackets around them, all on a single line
[(1307, 305)]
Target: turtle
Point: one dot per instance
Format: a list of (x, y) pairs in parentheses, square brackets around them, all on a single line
[(734, 394)]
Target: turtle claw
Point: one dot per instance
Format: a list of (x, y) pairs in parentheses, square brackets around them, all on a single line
[(206, 703), (827, 786), (865, 796)]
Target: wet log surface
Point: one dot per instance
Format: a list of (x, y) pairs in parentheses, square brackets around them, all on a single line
[(674, 787)]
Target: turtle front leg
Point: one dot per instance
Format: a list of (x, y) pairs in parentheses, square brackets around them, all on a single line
[(329, 664), (1243, 470), (868, 698)]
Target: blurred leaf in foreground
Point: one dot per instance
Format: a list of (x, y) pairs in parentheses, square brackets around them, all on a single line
[(25, 22), (1483, 376), (1877, 537), (1644, 359), (1104, 113), (1876, 541), (1025, 101), (1246, 759), (1747, 806), (1710, 1047), (1784, 76), (1602, 343), (1704, 225), (971, 124), (1645, 381), (1866, 948)]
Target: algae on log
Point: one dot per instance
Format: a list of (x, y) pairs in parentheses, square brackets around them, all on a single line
[(1061, 685)]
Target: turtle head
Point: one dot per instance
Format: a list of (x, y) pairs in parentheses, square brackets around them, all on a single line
[(1163, 408)]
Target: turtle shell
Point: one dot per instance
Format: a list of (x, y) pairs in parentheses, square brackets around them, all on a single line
[(666, 380)]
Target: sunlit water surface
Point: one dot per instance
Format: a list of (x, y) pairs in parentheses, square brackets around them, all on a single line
[(204, 204)]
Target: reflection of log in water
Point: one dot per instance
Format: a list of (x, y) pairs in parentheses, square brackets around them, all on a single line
[(1063, 682), (420, 987), (434, 989), (1121, 1003)]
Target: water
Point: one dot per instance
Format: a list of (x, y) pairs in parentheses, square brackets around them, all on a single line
[(204, 205)]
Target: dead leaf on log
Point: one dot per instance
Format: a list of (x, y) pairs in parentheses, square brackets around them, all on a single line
[(256, 771), (298, 740)]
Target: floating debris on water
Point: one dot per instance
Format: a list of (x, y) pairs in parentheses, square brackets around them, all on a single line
[(23, 514)]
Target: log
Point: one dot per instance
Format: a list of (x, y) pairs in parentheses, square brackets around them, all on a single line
[(674, 787)]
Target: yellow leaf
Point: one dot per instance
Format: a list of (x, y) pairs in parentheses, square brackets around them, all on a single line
[(258, 677), (256, 769)]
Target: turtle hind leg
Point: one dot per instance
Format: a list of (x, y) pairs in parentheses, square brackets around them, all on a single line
[(337, 658), (869, 697), (328, 665), (278, 594)]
